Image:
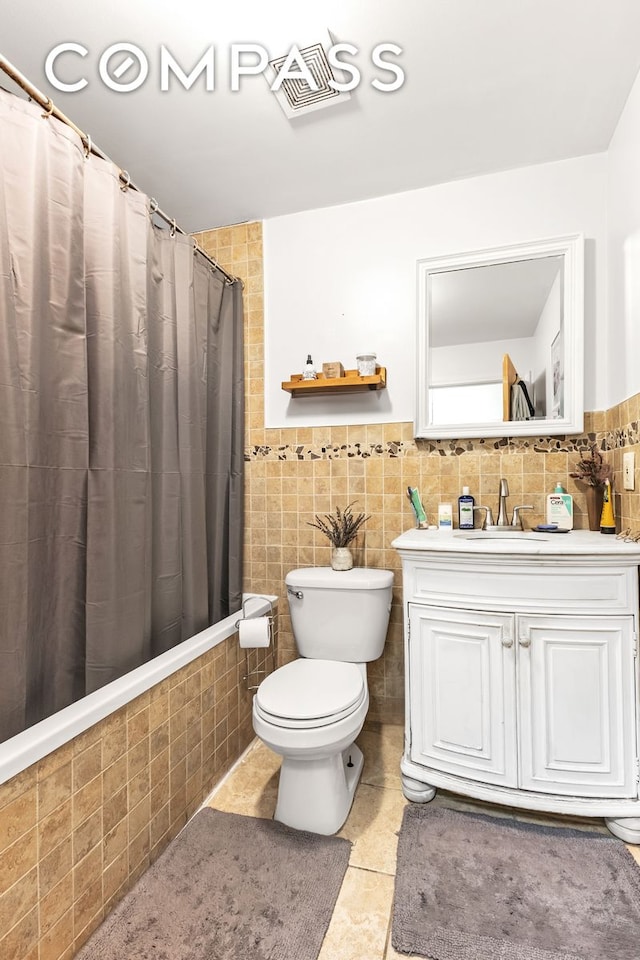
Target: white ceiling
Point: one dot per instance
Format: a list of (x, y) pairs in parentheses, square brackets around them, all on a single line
[(490, 85)]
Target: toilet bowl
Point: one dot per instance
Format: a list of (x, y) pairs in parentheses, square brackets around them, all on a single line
[(310, 711)]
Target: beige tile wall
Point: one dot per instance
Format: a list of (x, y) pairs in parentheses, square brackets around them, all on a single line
[(294, 473), (78, 828)]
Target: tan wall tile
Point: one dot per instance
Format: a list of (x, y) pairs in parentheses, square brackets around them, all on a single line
[(88, 911), (17, 817), (54, 828), (87, 800), (88, 835), (22, 937), (86, 765), (18, 900), (55, 866), (114, 809), (115, 874), (138, 727), (56, 903), (139, 817), (18, 860), (18, 785), (114, 776), (138, 758), (57, 942), (54, 790), (86, 872), (115, 841), (114, 742)]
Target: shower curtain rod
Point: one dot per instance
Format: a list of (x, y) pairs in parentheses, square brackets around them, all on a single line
[(51, 110)]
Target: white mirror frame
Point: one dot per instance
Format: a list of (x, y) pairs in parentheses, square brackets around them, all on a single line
[(571, 248)]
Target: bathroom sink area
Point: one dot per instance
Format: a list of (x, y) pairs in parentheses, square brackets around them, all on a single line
[(500, 533), (509, 542)]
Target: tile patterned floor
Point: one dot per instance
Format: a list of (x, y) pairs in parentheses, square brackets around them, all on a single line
[(361, 925)]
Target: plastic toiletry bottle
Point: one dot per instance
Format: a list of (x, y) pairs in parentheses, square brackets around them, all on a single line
[(560, 508), (607, 519), (416, 503), (465, 510), (445, 517), (309, 371)]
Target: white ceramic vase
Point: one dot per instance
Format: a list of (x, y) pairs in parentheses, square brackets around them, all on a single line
[(341, 558)]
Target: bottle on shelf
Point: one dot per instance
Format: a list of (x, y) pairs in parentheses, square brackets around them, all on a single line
[(309, 371)]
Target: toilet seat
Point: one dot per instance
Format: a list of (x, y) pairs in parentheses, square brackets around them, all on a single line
[(310, 693)]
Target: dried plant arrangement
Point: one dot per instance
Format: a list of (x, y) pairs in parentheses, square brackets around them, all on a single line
[(341, 527), (593, 470)]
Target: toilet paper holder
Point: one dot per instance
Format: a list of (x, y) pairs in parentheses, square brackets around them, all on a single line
[(253, 675)]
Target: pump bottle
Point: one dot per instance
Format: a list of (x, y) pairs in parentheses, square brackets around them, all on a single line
[(465, 510), (560, 508)]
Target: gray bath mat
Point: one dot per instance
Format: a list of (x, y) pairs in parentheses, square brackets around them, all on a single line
[(473, 887), (228, 888)]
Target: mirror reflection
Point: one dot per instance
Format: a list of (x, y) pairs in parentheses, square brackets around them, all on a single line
[(499, 337), (484, 318)]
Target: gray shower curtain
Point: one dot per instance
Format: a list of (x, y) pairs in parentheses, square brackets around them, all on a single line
[(121, 426)]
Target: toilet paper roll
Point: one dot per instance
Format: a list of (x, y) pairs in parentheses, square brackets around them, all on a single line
[(254, 632)]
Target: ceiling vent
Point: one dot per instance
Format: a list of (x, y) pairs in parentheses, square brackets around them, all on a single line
[(295, 96)]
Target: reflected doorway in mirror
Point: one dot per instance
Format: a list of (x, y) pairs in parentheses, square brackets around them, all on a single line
[(557, 377)]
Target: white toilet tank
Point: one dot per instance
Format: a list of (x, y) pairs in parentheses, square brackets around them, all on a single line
[(339, 615)]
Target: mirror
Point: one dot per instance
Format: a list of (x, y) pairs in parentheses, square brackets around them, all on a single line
[(500, 341)]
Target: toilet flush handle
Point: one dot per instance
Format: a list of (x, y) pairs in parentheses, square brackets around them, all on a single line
[(295, 593)]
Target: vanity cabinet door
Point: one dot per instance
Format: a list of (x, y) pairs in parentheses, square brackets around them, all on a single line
[(462, 692), (576, 690)]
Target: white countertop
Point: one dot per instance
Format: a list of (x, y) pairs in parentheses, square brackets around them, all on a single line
[(575, 543)]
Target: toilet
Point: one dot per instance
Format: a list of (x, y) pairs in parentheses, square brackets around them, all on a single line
[(310, 711)]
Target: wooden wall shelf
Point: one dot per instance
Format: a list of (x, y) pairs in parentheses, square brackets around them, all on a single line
[(350, 383)]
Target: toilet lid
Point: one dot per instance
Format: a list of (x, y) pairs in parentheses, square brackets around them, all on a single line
[(310, 692)]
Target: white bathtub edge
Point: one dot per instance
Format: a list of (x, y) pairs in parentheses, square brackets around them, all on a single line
[(26, 748)]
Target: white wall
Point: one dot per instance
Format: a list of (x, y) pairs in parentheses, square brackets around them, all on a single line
[(621, 358), (476, 362), (342, 280)]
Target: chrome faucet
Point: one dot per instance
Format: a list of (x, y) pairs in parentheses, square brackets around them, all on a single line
[(503, 519), (502, 504)]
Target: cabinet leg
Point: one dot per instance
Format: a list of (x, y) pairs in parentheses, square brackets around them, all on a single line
[(626, 828), (416, 790)]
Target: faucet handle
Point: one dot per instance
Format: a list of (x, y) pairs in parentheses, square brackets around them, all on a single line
[(488, 516), (517, 519)]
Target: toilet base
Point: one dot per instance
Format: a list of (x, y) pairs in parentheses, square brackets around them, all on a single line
[(316, 795)]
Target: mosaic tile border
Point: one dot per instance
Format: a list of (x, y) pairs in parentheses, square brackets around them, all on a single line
[(615, 439), (444, 448), (623, 436)]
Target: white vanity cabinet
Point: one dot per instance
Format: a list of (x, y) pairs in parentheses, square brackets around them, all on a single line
[(522, 672)]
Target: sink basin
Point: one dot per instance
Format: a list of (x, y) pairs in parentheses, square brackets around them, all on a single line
[(500, 533)]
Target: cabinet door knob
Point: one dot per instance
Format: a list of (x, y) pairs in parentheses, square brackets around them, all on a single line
[(507, 642), (525, 641)]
